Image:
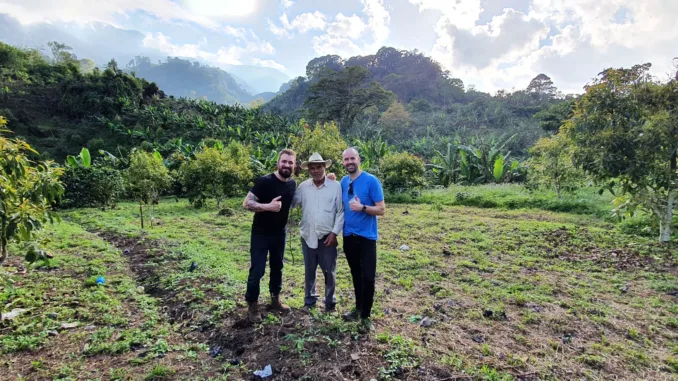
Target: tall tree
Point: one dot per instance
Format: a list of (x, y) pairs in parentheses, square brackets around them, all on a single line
[(553, 117), (61, 53), (395, 121), (551, 165), (27, 191), (625, 131), (342, 96), (318, 65), (542, 85)]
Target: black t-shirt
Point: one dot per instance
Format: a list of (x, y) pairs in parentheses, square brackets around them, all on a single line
[(266, 189)]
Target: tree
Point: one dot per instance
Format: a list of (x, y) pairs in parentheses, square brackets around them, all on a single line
[(61, 53), (625, 134), (553, 117), (90, 185), (542, 85), (319, 65), (27, 191), (395, 121), (324, 139), (147, 175), (342, 96), (551, 165), (402, 171), (86, 65), (216, 173), (480, 161), (371, 152), (446, 165)]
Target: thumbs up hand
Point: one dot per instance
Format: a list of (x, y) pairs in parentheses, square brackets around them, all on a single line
[(275, 205), (356, 206)]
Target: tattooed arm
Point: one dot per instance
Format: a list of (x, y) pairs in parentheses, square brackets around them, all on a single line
[(251, 203)]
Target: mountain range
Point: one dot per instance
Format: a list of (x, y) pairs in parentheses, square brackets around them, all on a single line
[(102, 42)]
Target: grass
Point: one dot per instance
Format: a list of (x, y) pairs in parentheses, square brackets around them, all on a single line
[(511, 196), (512, 293), (117, 324)]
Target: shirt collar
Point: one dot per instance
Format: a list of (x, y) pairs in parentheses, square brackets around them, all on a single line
[(324, 184)]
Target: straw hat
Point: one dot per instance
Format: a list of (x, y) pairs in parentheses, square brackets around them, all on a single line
[(316, 158)]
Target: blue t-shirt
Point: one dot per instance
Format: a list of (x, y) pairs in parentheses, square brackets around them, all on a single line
[(368, 189)]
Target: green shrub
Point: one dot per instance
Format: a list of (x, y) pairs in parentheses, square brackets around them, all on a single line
[(216, 174), (324, 139), (402, 171), (147, 176), (92, 187)]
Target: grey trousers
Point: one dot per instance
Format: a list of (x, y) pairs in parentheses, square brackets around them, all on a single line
[(326, 257)]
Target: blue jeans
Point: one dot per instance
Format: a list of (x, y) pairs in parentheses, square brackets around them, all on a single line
[(260, 247)]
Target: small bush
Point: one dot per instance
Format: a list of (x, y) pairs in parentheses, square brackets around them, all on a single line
[(96, 186), (216, 174), (147, 175), (402, 171)]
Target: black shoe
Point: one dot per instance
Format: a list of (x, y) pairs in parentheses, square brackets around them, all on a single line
[(367, 325), (329, 308), (308, 308), (354, 315)]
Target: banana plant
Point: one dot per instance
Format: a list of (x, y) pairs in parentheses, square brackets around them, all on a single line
[(446, 166), (371, 151), (83, 160)]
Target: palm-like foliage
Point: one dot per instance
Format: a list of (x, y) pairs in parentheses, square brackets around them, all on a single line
[(371, 152)]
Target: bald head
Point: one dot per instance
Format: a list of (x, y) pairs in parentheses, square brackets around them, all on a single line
[(351, 160), (351, 149)]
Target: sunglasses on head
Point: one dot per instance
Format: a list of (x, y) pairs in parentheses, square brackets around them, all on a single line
[(350, 188)]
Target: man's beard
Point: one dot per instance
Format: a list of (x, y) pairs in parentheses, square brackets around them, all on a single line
[(351, 168), (285, 172)]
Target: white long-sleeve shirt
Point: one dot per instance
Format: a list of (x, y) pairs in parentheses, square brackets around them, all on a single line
[(322, 210)]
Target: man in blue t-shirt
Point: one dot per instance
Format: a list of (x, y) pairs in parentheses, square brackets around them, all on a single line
[(363, 201)]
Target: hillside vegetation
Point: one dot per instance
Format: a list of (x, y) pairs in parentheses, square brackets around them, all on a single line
[(59, 109), (421, 101), (183, 78)]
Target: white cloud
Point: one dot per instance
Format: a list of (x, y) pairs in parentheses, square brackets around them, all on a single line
[(278, 31), (268, 63), (461, 13), (232, 54), (505, 38), (379, 20), (33, 11), (305, 22), (569, 40), (235, 32), (348, 26), (221, 8), (343, 36), (159, 41), (329, 44), (287, 3), (302, 24)]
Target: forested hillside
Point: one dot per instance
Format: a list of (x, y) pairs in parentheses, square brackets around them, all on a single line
[(407, 97), (183, 78), (59, 108)]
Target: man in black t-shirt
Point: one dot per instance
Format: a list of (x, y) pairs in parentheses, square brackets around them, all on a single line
[(270, 199)]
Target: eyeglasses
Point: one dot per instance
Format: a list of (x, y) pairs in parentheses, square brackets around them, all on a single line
[(350, 188)]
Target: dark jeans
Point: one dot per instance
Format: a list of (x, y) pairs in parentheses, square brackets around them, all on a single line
[(326, 257), (260, 247), (361, 255)]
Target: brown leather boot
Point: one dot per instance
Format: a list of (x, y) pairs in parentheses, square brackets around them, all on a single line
[(277, 305), (253, 314)]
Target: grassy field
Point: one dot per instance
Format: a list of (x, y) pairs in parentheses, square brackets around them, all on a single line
[(479, 293)]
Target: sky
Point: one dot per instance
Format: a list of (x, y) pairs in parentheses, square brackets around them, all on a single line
[(489, 44)]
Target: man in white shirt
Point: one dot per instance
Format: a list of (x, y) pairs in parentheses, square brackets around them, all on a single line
[(322, 218)]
